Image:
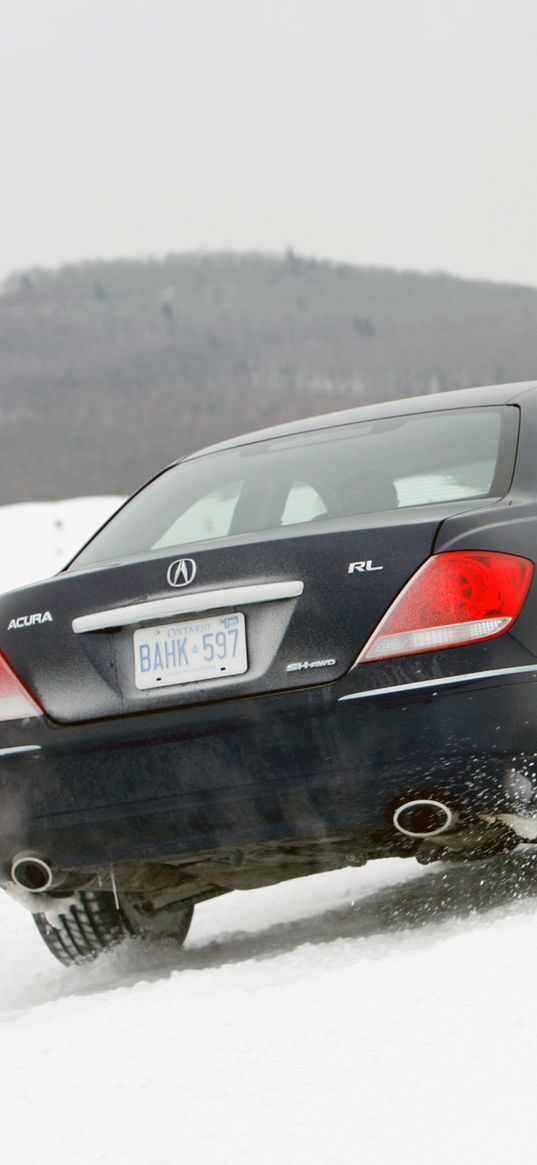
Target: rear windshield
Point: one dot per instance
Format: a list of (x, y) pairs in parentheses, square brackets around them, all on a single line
[(316, 477)]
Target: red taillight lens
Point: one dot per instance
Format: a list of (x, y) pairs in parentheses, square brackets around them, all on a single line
[(16, 703), (454, 598)]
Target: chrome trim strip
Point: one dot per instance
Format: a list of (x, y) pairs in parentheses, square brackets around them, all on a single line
[(441, 682), (185, 604), (22, 748)]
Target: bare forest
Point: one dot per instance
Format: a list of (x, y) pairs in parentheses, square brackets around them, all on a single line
[(108, 370)]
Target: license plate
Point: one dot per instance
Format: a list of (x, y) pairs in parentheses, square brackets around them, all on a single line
[(198, 649)]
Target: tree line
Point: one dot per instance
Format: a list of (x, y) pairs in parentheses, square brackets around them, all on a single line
[(109, 370)]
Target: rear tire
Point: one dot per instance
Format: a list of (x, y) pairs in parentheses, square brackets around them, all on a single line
[(93, 923), (90, 924)]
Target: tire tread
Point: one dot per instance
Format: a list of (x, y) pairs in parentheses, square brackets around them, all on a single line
[(91, 924)]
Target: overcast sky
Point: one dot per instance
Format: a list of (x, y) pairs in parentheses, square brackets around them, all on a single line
[(399, 133)]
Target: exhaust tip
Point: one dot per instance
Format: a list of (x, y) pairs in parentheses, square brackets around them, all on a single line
[(423, 818), (32, 873)]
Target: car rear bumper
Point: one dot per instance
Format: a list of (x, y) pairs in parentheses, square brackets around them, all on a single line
[(303, 764)]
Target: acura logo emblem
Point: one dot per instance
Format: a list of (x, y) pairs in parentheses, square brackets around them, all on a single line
[(181, 572)]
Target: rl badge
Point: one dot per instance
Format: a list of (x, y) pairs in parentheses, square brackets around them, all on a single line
[(361, 566)]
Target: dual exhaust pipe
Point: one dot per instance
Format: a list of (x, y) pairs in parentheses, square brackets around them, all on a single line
[(423, 817), (32, 873), (419, 818)]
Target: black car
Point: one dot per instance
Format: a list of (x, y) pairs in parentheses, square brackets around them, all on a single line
[(296, 651)]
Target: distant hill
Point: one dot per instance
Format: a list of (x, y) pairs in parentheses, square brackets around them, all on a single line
[(109, 370)]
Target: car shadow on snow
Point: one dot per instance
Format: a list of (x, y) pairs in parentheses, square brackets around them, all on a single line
[(434, 900), (440, 897)]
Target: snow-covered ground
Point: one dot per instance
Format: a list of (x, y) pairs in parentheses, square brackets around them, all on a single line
[(38, 538), (383, 1016)]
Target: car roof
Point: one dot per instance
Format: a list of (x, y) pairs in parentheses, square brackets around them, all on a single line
[(495, 394)]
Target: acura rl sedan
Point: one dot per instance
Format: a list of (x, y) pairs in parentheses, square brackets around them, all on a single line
[(292, 652)]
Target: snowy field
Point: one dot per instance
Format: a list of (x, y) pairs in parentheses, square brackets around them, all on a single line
[(366, 1017), (38, 538)]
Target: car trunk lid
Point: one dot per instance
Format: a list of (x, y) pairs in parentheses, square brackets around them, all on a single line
[(307, 603)]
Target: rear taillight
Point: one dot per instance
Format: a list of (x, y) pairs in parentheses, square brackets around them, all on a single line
[(454, 598), (16, 703)]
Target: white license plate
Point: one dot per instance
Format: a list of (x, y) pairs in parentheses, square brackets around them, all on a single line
[(198, 649)]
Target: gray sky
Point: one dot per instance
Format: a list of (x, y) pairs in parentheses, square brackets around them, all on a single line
[(389, 132)]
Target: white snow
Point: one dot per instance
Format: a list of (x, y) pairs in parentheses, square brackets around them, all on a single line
[(365, 1017), (38, 538)]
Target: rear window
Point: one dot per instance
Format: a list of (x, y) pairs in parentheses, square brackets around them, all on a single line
[(316, 477)]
